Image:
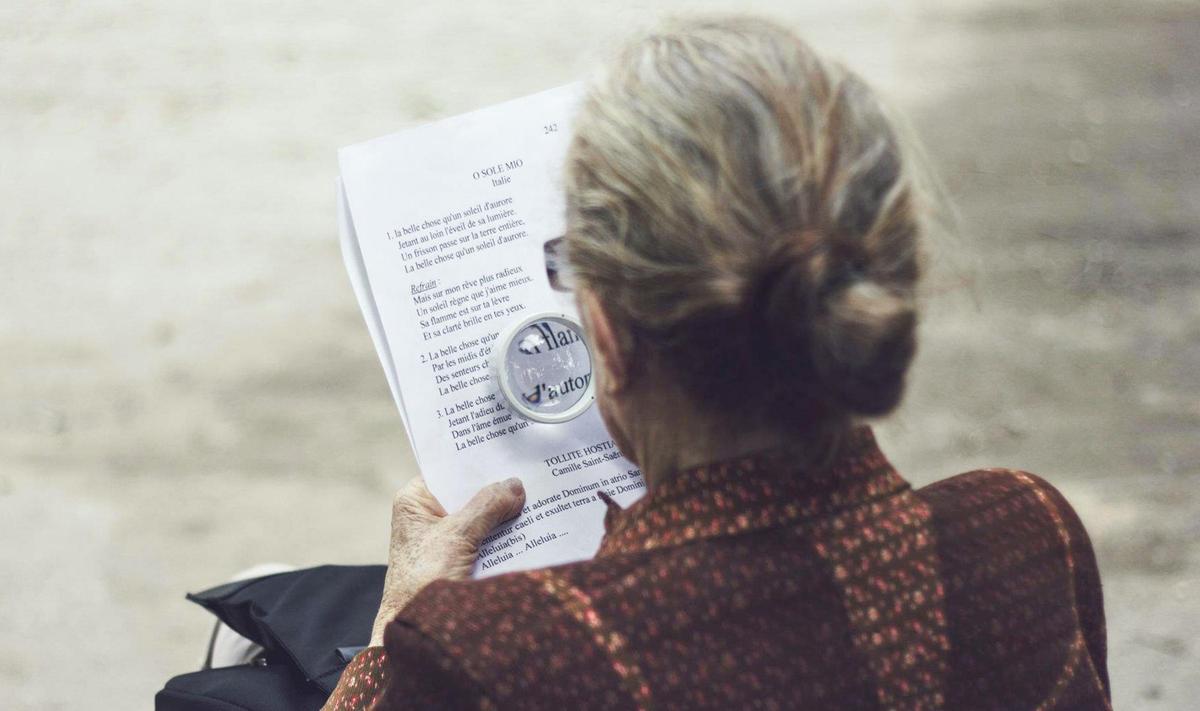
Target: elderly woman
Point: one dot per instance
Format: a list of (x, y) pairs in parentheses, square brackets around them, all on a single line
[(745, 231)]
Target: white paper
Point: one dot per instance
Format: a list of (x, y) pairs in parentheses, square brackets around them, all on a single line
[(443, 228), (366, 301)]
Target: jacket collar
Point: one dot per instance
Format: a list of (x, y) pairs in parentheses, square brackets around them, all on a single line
[(749, 493)]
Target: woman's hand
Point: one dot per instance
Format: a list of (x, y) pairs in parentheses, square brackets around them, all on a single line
[(428, 544)]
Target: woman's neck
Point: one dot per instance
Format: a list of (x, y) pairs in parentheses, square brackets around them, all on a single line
[(672, 435)]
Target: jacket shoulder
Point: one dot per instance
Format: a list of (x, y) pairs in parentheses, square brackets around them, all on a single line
[(996, 514), (524, 633), (991, 481), (1014, 551)]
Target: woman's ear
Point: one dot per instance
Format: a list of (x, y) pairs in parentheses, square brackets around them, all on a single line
[(605, 342)]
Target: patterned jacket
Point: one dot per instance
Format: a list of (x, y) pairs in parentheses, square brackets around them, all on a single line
[(751, 584)]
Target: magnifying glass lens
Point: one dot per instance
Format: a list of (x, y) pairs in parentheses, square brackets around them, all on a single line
[(548, 368)]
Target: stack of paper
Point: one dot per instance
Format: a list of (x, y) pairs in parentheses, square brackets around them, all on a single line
[(442, 231)]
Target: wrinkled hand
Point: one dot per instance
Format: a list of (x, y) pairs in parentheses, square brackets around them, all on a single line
[(428, 544)]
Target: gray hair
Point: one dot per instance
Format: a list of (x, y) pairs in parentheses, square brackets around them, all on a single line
[(745, 211)]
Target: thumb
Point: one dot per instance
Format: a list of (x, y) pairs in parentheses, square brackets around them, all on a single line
[(492, 506), (415, 502), (420, 494)]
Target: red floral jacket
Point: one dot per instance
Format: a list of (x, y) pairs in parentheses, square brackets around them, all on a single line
[(750, 583)]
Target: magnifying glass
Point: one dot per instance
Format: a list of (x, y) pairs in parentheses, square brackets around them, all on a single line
[(543, 368)]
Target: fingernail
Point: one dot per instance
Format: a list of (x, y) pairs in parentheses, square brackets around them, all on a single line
[(514, 485)]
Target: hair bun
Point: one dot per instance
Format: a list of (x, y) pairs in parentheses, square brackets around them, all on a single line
[(857, 335), (863, 344)]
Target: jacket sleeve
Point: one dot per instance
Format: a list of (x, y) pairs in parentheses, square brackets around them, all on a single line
[(412, 672), (1089, 597), (422, 675), (362, 682)]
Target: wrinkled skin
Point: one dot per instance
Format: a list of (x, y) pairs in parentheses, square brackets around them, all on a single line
[(428, 544)]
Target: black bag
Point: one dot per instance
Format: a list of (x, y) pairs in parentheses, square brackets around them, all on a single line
[(310, 623)]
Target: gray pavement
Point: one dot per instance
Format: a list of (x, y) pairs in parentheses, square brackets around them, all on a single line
[(187, 388)]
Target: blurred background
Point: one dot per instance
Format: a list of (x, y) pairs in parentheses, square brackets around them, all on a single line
[(187, 387)]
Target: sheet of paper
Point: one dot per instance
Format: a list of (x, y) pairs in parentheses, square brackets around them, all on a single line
[(449, 220), (366, 301)]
